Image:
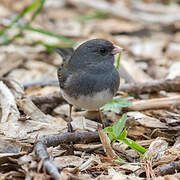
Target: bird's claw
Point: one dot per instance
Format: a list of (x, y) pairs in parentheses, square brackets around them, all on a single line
[(70, 128)]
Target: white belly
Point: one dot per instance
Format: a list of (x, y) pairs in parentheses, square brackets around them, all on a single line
[(89, 102)]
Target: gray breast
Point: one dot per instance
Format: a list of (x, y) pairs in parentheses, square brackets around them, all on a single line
[(87, 83)]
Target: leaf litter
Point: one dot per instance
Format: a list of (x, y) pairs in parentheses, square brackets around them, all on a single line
[(32, 117)]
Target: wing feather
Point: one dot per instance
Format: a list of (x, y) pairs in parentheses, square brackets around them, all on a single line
[(63, 73)]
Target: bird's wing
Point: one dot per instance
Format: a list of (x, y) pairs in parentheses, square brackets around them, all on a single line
[(63, 73)]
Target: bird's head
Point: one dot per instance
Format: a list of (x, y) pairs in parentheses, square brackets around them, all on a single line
[(94, 51)]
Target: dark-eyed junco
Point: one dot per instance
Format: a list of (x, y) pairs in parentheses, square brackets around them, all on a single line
[(88, 78)]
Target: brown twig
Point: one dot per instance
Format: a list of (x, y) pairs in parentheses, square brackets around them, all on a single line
[(156, 103), (170, 85), (66, 137), (42, 143), (106, 144), (148, 169), (54, 97), (42, 154)]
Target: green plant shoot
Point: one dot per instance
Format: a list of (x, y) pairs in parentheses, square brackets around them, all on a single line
[(116, 133), (118, 61)]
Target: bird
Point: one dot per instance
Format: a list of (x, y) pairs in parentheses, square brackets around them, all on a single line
[(87, 77)]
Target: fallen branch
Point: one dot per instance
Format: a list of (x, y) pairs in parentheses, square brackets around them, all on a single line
[(42, 143), (169, 85), (42, 154), (156, 103), (66, 137), (54, 97)]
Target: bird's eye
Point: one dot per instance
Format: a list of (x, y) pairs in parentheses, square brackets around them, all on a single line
[(102, 51)]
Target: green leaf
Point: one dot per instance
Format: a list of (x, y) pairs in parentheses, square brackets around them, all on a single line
[(132, 144), (38, 10), (115, 105), (118, 61), (22, 14), (118, 126), (123, 102), (31, 7), (116, 132), (108, 129), (111, 137), (122, 123), (119, 160), (123, 135), (64, 39)]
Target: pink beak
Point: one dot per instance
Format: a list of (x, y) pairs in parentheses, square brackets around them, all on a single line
[(117, 50)]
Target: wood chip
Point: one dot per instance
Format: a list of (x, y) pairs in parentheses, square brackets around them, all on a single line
[(9, 108), (10, 62), (5, 156), (147, 121), (156, 148), (33, 111)]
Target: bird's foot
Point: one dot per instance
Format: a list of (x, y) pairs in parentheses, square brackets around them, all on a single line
[(103, 125), (70, 128), (101, 119)]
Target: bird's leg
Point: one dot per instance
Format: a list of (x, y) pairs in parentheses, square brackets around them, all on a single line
[(70, 149), (70, 128), (101, 118)]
